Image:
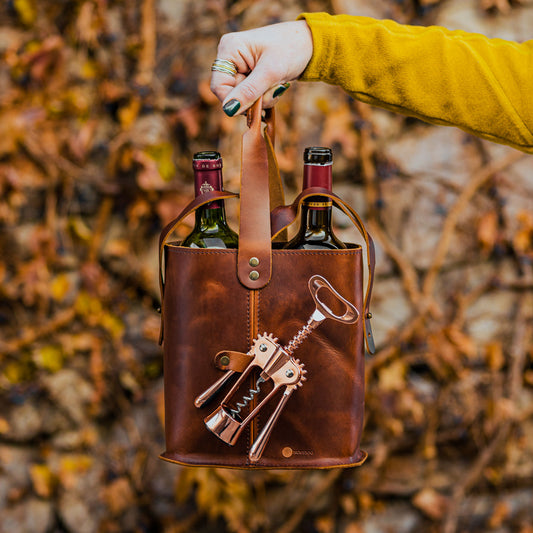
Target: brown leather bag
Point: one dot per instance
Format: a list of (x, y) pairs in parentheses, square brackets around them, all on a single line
[(216, 302)]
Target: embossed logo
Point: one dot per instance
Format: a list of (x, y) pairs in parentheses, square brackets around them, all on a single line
[(205, 187), (289, 452)]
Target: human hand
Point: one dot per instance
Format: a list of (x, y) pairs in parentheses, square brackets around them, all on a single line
[(266, 59)]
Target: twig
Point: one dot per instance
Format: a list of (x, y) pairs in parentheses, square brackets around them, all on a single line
[(381, 357), (62, 319), (367, 151), (101, 228), (410, 280), (518, 352), (485, 173), (310, 500), (146, 63)]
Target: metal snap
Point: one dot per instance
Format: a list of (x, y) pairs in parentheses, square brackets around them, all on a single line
[(254, 275), (253, 261), (224, 360)]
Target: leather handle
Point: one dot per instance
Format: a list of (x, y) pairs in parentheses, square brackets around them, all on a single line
[(284, 216), (254, 257)]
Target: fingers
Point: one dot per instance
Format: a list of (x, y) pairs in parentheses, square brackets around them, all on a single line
[(263, 63), (246, 92), (222, 84), (271, 97)]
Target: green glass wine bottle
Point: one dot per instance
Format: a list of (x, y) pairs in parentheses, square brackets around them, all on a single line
[(315, 227), (211, 229)]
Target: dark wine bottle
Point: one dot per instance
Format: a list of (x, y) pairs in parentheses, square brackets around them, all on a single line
[(315, 228), (211, 229)]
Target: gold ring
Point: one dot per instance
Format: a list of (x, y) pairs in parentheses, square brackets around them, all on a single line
[(224, 65)]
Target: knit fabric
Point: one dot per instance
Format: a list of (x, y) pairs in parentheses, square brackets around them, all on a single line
[(483, 86)]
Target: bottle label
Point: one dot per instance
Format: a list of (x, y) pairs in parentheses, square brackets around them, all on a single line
[(206, 187), (317, 176), (207, 164), (207, 181), (318, 206)]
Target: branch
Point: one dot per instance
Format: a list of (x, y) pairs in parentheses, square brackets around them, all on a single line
[(484, 174)]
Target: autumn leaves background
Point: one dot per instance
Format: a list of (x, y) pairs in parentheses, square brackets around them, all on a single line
[(102, 105)]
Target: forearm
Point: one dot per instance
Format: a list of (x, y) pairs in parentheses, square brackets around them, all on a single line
[(484, 86)]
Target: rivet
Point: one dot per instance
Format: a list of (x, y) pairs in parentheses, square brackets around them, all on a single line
[(253, 261), (289, 373), (254, 275), (286, 452), (263, 347), (369, 315), (224, 360)]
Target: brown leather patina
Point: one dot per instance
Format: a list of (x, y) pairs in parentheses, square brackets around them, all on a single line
[(211, 308)]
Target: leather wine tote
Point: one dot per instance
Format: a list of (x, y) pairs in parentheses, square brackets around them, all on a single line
[(264, 346)]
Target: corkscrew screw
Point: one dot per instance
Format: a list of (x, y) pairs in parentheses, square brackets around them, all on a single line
[(277, 364)]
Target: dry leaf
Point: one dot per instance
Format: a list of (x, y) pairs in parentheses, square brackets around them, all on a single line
[(71, 467), (43, 480), (118, 495), (433, 504), (494, 355), (488, 230), (339, 129), (392, 377)]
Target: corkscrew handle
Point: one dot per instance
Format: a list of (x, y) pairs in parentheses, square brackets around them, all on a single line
[(256, 451), (322, 311), (203, 398)]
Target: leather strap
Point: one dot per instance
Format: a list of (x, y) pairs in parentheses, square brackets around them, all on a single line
[(259, 226), (277, 196), (254, 257), (284, 216)]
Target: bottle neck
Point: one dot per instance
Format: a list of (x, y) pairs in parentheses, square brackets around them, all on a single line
[(316, 218), (317, 209), (207, 178), (316, 175), (209, 215)]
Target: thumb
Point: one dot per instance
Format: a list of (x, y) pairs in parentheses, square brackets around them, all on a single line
[(246, 92)]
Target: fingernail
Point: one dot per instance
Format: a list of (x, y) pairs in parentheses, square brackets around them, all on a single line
[(281, 89), (231, 107)]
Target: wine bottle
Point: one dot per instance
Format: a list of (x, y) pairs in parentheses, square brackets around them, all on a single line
[(315, 228), (211, 229)]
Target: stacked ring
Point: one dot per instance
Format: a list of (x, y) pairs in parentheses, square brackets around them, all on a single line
[(224, 65)]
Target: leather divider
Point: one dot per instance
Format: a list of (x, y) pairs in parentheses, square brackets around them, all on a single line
[(254, 256), (283, 216)]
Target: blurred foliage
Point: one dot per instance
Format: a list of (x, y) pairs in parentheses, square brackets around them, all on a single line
[(102, 104)]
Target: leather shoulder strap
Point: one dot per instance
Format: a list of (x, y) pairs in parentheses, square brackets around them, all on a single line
[(284, 216)]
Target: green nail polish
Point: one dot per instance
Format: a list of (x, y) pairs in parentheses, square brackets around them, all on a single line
[(281, 89), (231, 107)]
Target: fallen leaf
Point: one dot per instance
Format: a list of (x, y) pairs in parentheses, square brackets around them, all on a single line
[(433, 504), (49, 358), (118, 495), (487, 231), (71, 467), (392, 377), (43, 480)]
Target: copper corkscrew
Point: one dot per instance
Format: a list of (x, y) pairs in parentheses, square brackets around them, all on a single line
[(277, 364)]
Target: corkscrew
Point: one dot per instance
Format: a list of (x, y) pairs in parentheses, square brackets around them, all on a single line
[(277, 364)]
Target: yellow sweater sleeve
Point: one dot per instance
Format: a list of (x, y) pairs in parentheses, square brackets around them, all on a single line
[(483, 86)]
